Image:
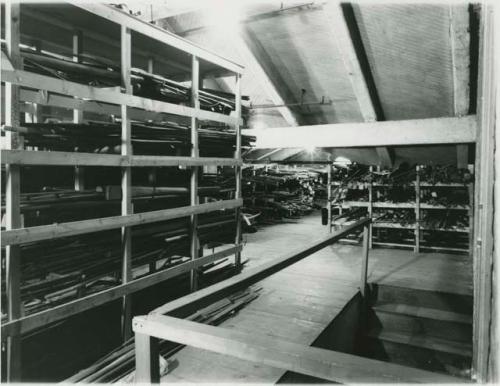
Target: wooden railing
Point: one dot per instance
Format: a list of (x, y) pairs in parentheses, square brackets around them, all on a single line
[(165, 323), (330, 365)]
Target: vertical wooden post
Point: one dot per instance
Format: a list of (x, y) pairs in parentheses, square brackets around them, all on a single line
[(147, 364), (370, 207), (126, 205), (470, 191), (417, 211), (329, 193), (195, 102), (78, 114), (364, 257), (13, 192), (238, 170), (485, 264)]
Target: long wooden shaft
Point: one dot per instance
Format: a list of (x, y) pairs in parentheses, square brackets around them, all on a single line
[(126, 150), (194, 170), (13, 192), (78, 114), (238, 169)]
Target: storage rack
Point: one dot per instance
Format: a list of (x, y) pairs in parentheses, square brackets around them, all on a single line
[(35, 89), (417, 206)]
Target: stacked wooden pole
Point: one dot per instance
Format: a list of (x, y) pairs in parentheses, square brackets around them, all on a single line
[(118, 366)]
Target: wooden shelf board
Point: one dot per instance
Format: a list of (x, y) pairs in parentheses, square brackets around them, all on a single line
[(60, 158), (444, 248), (402, 205), (393, 244), (392, 225), (466, 230)]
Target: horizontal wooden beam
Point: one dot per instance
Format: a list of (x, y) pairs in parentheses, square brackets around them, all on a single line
[(431, 131), (181, 307), (42, 82), (150, 30), (55, 100), (43, 318), (61, 158), (266, 350), (48, 232)]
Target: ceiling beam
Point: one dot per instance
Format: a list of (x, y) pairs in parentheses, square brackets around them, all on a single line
[(460, 58), (430, 131), (344, 41)]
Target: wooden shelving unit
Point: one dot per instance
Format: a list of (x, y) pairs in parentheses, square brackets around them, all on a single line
[(417, 206), (25, 91)]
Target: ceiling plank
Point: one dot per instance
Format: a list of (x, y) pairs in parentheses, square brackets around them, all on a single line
[(259, 65), (345, 45), (266, 155), (430, 131), (460, 56)]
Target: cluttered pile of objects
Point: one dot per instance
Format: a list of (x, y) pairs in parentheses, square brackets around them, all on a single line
[(273, 193), (418, 206)]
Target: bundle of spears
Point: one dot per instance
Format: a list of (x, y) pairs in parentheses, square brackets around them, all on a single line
[(278, 194), (99, 73), (435, 174), (147, 138), (56, 271), (119, 365)]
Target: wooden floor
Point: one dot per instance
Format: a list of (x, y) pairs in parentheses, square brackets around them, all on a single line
[(298, 302)]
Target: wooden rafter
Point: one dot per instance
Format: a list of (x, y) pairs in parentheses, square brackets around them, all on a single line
[(345, 45)]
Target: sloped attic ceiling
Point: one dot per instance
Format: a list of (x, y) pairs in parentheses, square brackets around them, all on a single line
[(405, 51), (409, 51)]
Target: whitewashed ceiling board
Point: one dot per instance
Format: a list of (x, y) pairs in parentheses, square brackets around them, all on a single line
[(408, 47), (303, 51)]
